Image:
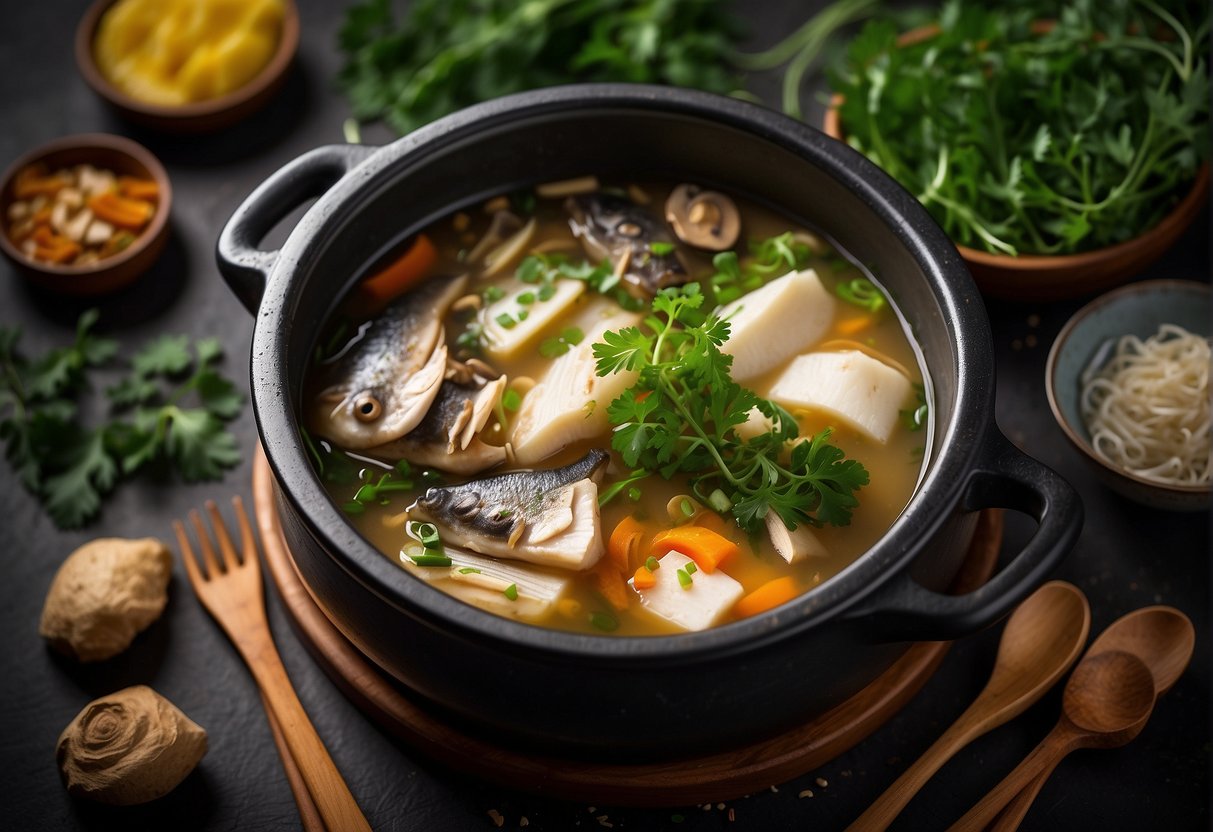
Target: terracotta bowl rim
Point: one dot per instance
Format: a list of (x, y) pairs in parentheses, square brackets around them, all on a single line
[(270, 74), (85, 141), (1072, 433)]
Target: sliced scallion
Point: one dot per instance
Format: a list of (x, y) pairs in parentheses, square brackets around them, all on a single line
[(430, 560), (691, 568), (511, 592), (469, 570), (720, 501), (652, 564), (684, 578), (511, 400), (604, 621)]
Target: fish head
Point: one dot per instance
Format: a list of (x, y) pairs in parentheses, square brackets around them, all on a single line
[(619, 230)]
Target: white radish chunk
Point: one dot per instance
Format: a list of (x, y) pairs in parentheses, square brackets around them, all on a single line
[(698, 606), (860, 390), (755, 425), (484, 583), (504, 341), (570, 401), (771, 324), (794, 545)]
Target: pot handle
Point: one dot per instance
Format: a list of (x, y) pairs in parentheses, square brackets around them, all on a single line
[(1004, 477), (244, 265)]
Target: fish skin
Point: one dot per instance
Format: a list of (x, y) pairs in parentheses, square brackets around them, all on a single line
[(397, 347), (437, 441), (491, 510), (595, 220)]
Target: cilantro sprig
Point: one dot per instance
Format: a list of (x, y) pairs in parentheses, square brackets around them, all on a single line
[(681, 417), (71, 466)]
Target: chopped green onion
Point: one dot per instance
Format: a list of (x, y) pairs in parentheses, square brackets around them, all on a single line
[(604, 621), (523, 315), (572, 335), (353, 507), (525, 299), (687, 507), (430, 560), (431, 477), (553, 348), (661, 249), (529, 270), (720, 501), (469, 570), (684, 578), (861, 292), (506, 320), (511, 592), (403, 468), (634, 494), (493, 293), (692, 568), (511, 400), (547, 291), (652, 564)]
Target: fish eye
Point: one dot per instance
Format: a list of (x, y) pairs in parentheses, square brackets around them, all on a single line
[(367, 409)]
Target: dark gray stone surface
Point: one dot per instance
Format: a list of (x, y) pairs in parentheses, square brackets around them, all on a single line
[(1127, 557)]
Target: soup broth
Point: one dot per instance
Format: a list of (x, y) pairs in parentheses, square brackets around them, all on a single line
[(523, 287)]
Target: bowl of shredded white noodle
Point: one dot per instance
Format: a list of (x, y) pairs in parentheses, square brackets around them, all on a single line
[(1128, 381)]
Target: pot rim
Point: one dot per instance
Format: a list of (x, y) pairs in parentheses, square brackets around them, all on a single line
[(941, 485)]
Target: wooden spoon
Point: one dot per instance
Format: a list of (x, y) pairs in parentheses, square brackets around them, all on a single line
[(1042, 639), (1107, 702), (1163, 638)]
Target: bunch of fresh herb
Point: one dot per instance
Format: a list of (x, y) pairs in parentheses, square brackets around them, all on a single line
[(70, 466), (446, 54), (767, 260), (1025, 128), (681, 417)]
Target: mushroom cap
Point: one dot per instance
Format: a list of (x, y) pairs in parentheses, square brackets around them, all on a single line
[(704, 219)]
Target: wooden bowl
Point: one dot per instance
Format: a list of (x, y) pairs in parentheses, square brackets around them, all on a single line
[(1087, 340), (1030, 277), (196, 117), (123, 157)]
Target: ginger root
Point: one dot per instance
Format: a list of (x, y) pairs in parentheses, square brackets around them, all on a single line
[(104, 594), (129, 747)]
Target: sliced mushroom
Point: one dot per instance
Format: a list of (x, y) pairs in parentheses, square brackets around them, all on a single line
[(703, 219), (501, 227)]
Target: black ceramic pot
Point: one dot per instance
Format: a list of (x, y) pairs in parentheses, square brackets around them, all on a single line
[(663, 695)]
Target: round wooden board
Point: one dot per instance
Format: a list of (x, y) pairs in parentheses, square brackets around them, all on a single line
[(709, 778)]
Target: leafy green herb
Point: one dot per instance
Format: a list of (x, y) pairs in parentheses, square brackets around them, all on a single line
[(616, 488), (1022, 138), (446, 54), (681, 414), (71, 467), (511, 400), (378, 492)]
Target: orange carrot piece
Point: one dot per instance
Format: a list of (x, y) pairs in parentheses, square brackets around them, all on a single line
[(122, 212), (610, 585), (42, 215), (403, 274), (767, 597), (136, 188), (704, 546), (624, 543), (57, 254), (853, 326), (30, 183), (644, 579)]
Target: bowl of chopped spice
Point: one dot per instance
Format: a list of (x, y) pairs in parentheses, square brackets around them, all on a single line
[(85, 215)]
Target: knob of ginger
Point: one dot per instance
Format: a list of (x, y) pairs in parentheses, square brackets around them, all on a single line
[(104, 594), (129, 747)]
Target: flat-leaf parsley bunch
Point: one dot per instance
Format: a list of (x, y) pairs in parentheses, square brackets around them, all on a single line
[(71, 466), (682, 413)]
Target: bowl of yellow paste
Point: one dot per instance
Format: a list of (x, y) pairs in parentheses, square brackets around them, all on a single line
[(187, 66)]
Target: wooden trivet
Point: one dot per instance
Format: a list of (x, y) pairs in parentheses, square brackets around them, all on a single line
[(703, 779)]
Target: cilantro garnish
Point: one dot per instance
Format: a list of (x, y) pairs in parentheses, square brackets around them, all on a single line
[(71, 466), (681, 414)]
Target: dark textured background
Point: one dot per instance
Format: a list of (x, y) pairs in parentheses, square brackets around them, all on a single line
[(1127, 557)]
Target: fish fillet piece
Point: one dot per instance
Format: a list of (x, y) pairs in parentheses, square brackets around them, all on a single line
[(696, 607), (446, 438), (774, 323), (865, 393), (503, 342), (570, 401), (794, 545), (381, 387), (548, 517)]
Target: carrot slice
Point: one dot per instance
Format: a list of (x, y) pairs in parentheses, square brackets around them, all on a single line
[(767, 597), (122, 212), (643, 578), (610, 585), (624, 543), (401, 275), (31, 182), (704, 546), (57, 254), (853, 326), (135, 188)]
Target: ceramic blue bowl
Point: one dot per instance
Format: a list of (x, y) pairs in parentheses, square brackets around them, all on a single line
[(1088, 339)]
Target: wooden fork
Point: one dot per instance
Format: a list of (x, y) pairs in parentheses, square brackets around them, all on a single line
[(231, 591)]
